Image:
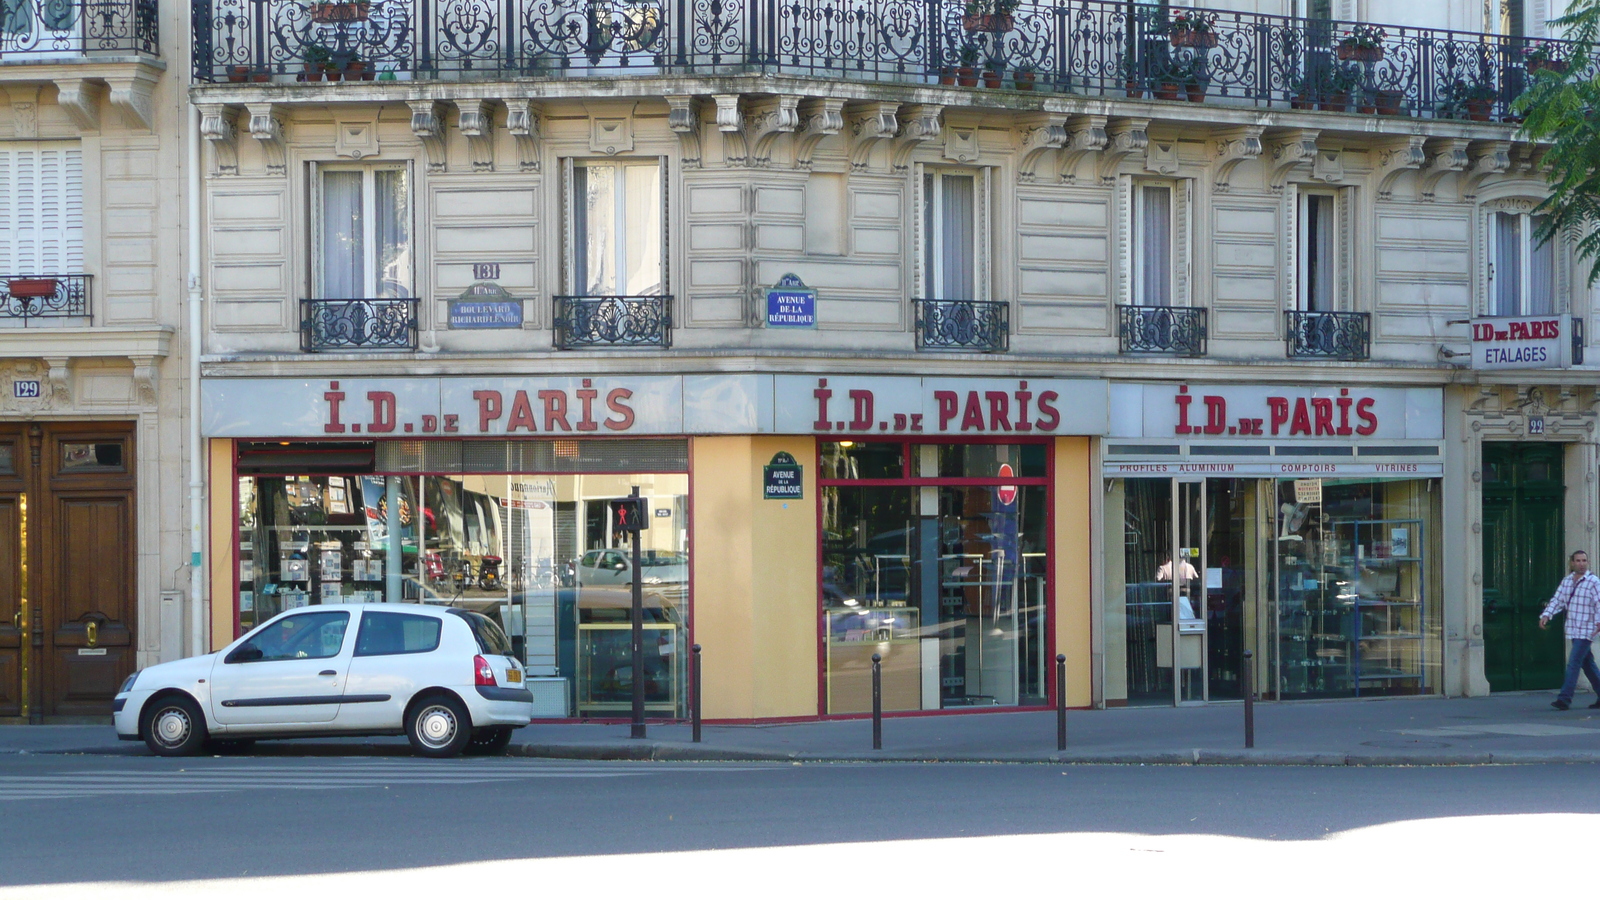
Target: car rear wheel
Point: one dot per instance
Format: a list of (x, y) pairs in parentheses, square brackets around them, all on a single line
[(438, 726), (489, 741), (174, 726)]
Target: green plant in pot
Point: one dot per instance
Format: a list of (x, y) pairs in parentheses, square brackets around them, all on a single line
[(1472, 100), (967, 72), (994, 73), (317, 59), (1023, 77), (993, 16)]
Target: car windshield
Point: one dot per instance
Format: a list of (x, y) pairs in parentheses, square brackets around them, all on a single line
[(491, 639)]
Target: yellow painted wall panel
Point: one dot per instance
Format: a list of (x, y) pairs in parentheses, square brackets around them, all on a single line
[(1072, 571), (220, 551)]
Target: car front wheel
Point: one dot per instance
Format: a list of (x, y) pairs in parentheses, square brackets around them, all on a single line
[(489, 741), (174, 726), (438, 726)]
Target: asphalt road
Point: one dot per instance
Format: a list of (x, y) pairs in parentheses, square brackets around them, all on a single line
[(85, 826)]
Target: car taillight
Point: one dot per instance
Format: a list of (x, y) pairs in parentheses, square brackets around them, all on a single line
[(481, 673)]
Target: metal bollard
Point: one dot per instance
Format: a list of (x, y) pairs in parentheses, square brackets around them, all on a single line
[(1061, 702), (877, 702), (1249, 702), (694, 686)]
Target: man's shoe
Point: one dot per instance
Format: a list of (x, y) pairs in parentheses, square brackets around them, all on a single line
[(1595, 705), (1561, 705)]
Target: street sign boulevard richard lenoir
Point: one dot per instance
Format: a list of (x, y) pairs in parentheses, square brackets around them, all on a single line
[(783, 478)]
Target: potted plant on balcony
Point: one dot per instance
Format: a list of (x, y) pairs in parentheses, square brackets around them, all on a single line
[(1382, 102), (326, 12), (315, 59), (358, 70), (1195, 80), (1191, 28), (31, 288), (1336, 87), (994, 73), (1544, 56), (994, 16), (1023, 77), (1131, 80), (1364, 43), (1473, 100), (967, 72)]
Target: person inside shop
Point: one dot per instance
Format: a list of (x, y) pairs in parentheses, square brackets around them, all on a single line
[(1186, 570), (1579, 596)]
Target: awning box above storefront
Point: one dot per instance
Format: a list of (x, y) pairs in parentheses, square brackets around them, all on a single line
[(845, 406)]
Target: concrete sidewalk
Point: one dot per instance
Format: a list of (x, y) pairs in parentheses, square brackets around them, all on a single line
[(1505, 728)]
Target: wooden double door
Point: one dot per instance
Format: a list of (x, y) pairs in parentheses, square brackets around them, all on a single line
[(68, 551), (1524, 556)]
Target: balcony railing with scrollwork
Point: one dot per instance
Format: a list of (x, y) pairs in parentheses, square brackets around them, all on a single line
[(28, 297), (385, 323), (1092, 47), (983, 326), (588, 322), (1174, 330), (1328, 335), (50, 29)]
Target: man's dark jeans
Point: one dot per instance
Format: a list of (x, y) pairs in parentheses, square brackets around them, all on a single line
[(1580, 658)]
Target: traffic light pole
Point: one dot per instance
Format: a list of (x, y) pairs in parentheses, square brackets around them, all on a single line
[(638, 631)]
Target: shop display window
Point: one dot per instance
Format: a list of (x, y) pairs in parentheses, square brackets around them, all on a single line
[(944, 576), (532, 551)]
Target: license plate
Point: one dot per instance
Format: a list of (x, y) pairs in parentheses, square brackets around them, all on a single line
[(514, 676)]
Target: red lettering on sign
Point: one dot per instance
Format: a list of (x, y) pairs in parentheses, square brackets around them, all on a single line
[(1279, 407), (972, 413), (1216, 415), (1023, 395), (586, 398), (1323, 407), (452, 423), (555, 410), (822, 394), (1344, 402), (1301, 423), (383, 407), (334, 398), (624, 419), (1363, 407), (488, 408), (1049, 416), (430, 424), (1183, 400), (946, 401), (521, 414), (862, 400), (999, 410)]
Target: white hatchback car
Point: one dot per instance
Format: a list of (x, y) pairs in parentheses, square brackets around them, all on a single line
[(445, 678)]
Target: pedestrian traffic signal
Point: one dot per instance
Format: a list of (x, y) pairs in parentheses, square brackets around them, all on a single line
[(628, 515)]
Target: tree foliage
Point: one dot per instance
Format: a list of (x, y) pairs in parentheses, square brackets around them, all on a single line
[(1561, 108)]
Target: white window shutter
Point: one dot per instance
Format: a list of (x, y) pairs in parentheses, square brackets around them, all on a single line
[(41, 210), (1345, 10)]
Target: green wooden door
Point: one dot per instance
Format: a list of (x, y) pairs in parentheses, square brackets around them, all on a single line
[(1524, 560)]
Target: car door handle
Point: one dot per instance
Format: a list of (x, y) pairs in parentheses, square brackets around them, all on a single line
[(327, 672)]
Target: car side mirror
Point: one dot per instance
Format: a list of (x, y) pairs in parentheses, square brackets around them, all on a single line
[(246, 653), (620, 566)]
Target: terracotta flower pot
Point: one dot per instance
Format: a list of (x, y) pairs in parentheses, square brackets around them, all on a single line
[(1478, 110), (1302, 100), (947, 75), (1360, 54), (966, 76), (1196, 93), (1559, 66), (1023, 81), (1133, 88), (1389, 103), (32, 287), (1336, 102), (1190, 38), (993, 80), (1168, 90), (990, 22), (310, 72), (238, 74), (351, 11)]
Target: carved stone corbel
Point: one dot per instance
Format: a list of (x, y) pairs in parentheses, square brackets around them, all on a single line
[(427, 123), (683, 117), (870, 123), (1487, 158), (1395, 159), (146, 378), (765, 120), (730, 121), (1289, 151), (60, 377), (475, 119), (919, 122), (522, 123), (1086, 135), (130, 94), (1124, 138), (1043, 133), (820, 117), (219, 125), (266, 126), (1445, 155), (1230, 148), (80, 98)]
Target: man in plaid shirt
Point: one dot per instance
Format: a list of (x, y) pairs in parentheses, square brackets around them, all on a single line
[(1579, 595)]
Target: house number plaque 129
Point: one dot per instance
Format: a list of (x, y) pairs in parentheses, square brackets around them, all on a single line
[(25, 390)]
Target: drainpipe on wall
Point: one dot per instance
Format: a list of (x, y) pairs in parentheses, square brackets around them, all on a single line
[(197, 451)]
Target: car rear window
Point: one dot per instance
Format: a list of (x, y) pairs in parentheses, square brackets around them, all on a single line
[(491, 639), (386, 633)]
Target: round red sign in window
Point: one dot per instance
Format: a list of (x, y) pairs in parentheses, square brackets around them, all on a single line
[(1007, 492)]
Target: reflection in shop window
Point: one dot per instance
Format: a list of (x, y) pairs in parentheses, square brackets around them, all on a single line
[(519, 549)]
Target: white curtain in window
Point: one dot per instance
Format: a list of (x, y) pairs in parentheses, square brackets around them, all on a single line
[(1153, 247), (594, 209), (1506, 287), (1541, 299), (641, 226), (955, 254), (1317, 246), (616, 224), (391, 235), (343, 244), (41, 209)]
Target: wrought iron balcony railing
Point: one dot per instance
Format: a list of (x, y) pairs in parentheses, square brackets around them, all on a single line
[(28, 297), (1328, 335), (387, 323), (613, 322), (55, 28), (1175, 330), (1078, 46), (979, 325)]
